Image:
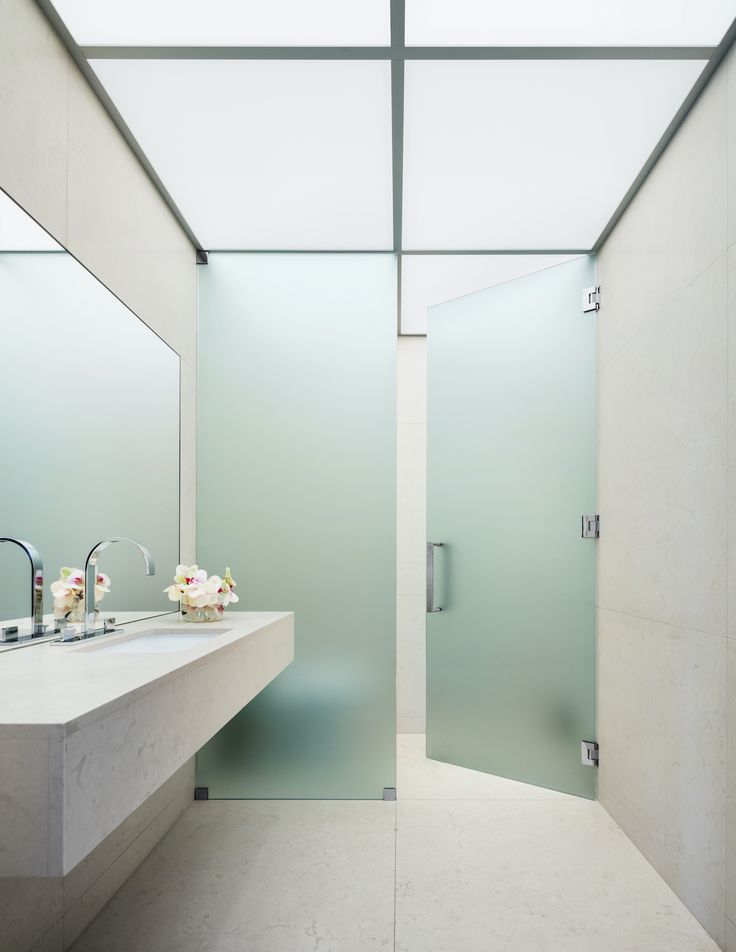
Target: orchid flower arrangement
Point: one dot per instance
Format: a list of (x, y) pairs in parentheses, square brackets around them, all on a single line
[(68, 592), (194, 589)]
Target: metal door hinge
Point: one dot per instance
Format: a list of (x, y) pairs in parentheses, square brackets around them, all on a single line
[(589, 753), (591, 298), (389, 793), (591, 527), (201, 793)]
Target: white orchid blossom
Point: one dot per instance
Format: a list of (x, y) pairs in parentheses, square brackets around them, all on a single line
[(228, 588), (186, 577), (68, 590), (194, 589)]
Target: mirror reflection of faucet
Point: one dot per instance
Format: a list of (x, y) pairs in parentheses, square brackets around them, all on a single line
[(11, 633), (90, 578)]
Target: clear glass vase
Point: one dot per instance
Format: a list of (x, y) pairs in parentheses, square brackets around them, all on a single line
[(74, 616), (206, 613)]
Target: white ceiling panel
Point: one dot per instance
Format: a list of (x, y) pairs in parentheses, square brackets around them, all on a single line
[(534, 154), (427, 280), (266, 154), (567, 22), (19, 232), (227, 22)]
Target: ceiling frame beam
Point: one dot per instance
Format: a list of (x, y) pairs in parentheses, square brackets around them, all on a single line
[(399, 51), (389, 251), (397, 122)]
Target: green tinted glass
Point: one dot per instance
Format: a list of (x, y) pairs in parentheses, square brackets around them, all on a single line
[(511, 447), (296, 492)]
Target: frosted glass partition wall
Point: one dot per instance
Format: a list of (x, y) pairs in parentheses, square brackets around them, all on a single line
[(296, 492), (90, 434)]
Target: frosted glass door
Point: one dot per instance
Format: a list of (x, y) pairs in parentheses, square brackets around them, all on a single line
[(511, 470)]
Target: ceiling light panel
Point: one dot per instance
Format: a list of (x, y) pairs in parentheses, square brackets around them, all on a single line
[(227, 22), (567, 22), (427, 280), (266, 154), (529, 155)]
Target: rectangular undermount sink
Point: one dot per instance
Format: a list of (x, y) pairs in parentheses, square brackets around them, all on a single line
[(158, 641)]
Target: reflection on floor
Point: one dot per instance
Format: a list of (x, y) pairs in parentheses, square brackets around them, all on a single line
[(462, 862)]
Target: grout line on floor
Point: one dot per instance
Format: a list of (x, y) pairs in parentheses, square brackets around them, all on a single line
[(547, 800), (396, 866)]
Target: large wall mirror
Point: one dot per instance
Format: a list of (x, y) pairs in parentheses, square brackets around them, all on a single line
[(89, 428)]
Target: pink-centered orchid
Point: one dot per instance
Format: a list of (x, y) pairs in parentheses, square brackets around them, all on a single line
[(68, 590), (195, 589)]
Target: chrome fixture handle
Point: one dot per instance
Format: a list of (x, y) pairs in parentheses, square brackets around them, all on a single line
[(34, 557), (430, 577), (90, 577)]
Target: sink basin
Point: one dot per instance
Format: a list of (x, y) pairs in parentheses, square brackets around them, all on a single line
[(157, 641)]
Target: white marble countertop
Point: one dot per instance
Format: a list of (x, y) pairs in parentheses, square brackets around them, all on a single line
[(87, 735), (49, 687)]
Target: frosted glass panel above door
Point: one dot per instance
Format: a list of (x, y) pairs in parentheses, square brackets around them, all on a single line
[(296, 492)]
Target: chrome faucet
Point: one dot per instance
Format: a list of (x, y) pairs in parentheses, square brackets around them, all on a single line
[(90, 578), (37, 626)]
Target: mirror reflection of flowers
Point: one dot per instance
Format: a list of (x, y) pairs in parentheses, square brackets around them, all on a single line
[(68, 593), (196, 590)]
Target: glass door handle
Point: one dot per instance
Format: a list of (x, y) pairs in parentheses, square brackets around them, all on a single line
[(430, 577)]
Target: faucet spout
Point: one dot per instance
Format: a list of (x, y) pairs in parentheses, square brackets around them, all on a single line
[(34, 557), (90, 576)]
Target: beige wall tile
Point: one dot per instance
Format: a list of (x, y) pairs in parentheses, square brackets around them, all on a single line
[(53, 941), (411, 679), (662, 463), (411, 370), (30, 907), (731, 787), (661, 729), (33, 114), (730, 68), (731, 506), (411, 503)]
